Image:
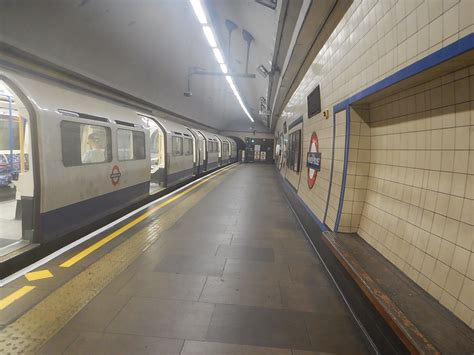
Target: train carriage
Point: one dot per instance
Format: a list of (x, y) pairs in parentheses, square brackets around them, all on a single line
[(87, 157)]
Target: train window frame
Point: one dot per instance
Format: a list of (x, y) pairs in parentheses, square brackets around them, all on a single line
[(189, 141), (71, 145), (293, 161), (175, 152), (137, 146)]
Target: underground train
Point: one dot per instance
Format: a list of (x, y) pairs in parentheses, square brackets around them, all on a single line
[(89, 157)]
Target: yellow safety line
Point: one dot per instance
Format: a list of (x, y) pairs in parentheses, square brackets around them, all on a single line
[(81, 255), (38, 275), (4, 303)]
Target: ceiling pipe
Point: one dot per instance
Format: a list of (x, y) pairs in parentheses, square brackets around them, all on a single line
[(231, 26), (249, 39)]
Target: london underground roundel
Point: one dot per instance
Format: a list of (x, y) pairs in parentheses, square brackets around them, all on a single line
[(313, 161)]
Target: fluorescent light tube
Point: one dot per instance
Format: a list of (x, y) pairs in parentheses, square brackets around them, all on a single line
[(199, 11), (209, 36), (218, 55), (224, 68)]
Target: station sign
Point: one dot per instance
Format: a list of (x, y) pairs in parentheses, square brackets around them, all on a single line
[(313, 160)]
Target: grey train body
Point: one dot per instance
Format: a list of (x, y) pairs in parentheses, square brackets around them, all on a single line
[(91, 157)]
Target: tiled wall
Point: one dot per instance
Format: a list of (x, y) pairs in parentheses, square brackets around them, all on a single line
[(419, 210), (357, 171), (375, 39)]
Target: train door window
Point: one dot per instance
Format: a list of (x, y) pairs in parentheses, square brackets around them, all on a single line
[(294, 151), (157, 154), (16, 171), (130, 145), (177, 145), (188, 146), (85, 143)]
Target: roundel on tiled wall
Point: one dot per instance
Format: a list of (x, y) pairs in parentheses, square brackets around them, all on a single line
[(313, 160)]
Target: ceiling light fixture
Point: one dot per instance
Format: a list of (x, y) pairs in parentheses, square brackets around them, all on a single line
[(209, 36), (201, 16), (218, 55), (199, 11)]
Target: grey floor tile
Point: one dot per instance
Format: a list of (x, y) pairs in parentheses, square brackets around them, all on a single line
[(201, 247), (245, 252), (191, 264), (301, 297), (164, 285), (265, 242), (120, 280), (210, 348), (208, 227), (296, 257), (258, 326), (296, 244), (256, 270), (313, 275), (238, 292), (116, 344), (58, 343), (163, 318), (333, 333), (219, 238), (98, 313)]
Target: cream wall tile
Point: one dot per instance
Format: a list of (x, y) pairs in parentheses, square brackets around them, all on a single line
[(460, 259), (463, 312), (465, 237), (454, 282), (409, 190), (467, 293), (446, 252)]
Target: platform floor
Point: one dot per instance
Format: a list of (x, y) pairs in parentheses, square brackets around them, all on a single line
[(233, 275)]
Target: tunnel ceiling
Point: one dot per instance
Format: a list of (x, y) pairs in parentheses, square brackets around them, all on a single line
[(146, 47)]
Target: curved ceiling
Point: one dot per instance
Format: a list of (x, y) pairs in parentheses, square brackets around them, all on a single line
[(146, 47)]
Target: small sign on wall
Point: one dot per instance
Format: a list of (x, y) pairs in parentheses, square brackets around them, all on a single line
[(313, 161)]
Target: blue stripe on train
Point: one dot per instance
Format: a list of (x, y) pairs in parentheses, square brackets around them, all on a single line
[(58, 222)]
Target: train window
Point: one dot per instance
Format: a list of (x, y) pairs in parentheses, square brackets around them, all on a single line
[(139, 145), (177, 145), (130, 144), (85, 143), (294, 151), (188, 146)]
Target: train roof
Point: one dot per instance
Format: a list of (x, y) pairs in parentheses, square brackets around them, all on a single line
[(49, 96)]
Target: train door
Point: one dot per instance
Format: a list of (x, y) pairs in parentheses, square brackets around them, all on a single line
[(204, 150), (17, 180), (219, 155), (196, 152), (157, 154)]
